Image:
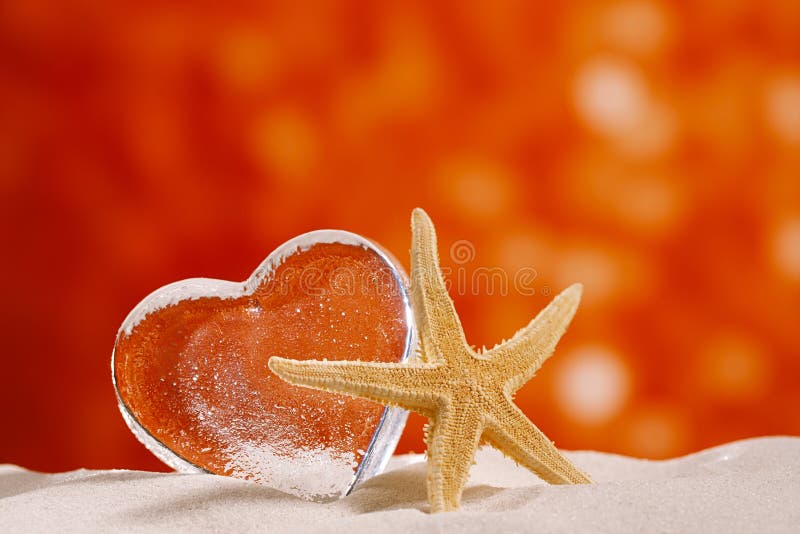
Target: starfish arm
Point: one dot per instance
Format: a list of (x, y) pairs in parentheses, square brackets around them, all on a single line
[(516, 360), (452, 438), (440, 328), (409, 387), (517, 437)]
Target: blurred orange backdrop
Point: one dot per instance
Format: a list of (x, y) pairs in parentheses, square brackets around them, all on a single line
[(646, 148)]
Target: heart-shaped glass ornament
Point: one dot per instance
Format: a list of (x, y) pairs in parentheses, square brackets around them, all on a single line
[(190, 367)]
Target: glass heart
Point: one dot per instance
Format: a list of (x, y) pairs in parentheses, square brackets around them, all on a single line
[(190, 367)]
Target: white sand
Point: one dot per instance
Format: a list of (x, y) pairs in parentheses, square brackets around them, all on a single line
[(747, 486)]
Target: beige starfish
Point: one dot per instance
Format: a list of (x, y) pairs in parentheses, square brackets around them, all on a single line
[(466, 394)]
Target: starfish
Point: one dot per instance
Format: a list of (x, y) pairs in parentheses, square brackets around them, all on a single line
[(466, 394)]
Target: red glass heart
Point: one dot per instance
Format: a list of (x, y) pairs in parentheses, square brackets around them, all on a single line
[(190, 366)]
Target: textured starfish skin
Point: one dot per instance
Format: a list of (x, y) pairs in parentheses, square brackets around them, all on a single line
[(466, 394)]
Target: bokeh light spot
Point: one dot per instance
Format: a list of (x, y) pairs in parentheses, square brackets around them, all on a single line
[(651, 202), (643, 199), (610, 95), (733, 368), (246, 58), (592, 384), (786, 248), (478, 188), (284, 142), (655, 432), (524, 250), (653, 135), (602, 272), (638, 26), (401, 83), (782, 107)]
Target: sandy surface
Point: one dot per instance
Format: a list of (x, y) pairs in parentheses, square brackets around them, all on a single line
[(746, 486)]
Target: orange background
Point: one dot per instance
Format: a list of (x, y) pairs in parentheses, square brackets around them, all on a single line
[(648, 149)]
